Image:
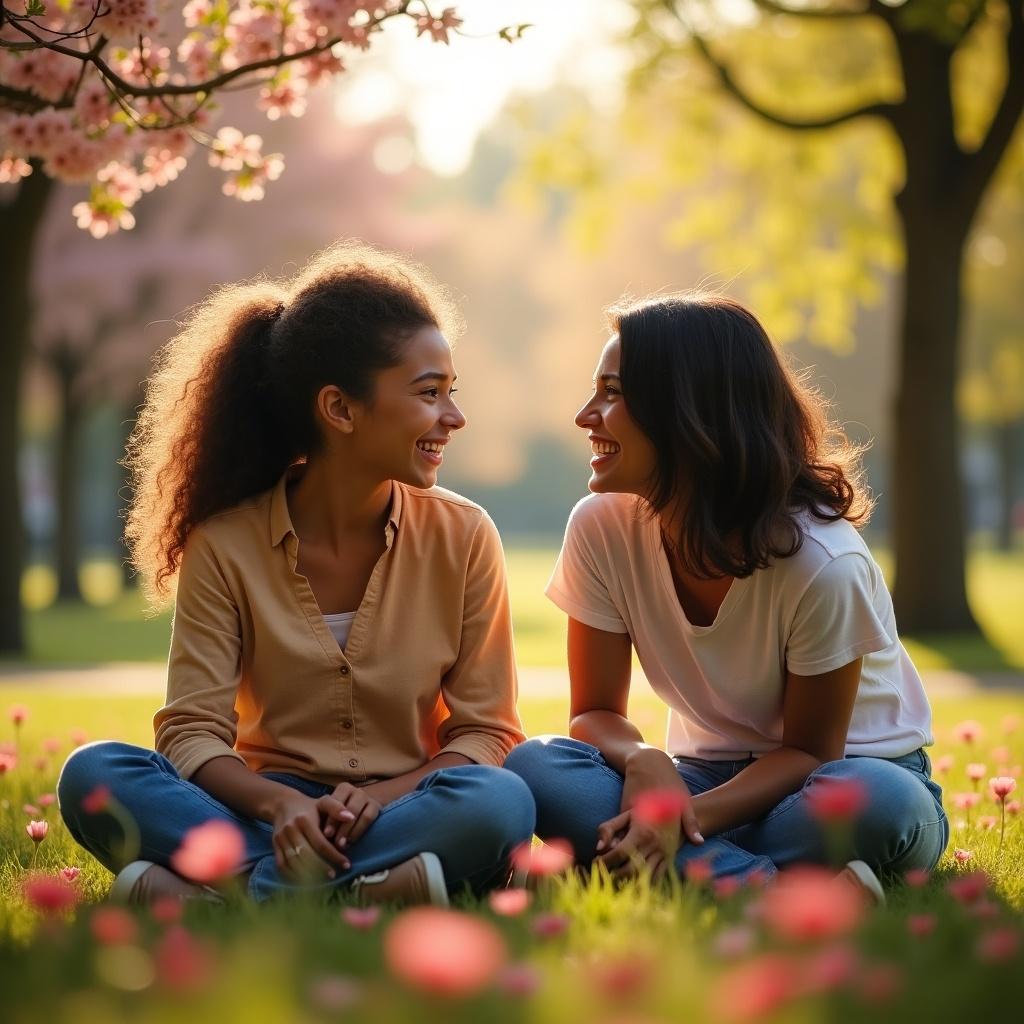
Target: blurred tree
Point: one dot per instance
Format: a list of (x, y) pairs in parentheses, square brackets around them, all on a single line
[(841, 112), (90, 91)]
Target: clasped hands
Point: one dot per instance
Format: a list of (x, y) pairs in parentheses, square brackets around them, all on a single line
[(628, 843), (311, 834)]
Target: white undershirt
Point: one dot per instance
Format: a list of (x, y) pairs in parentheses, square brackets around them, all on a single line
[(340, 624)]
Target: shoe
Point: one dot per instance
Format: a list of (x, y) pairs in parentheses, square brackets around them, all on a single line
[(417, 880), (143, 882), (861, 875)]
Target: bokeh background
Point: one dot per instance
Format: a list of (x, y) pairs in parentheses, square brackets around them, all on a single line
[(597, 155)]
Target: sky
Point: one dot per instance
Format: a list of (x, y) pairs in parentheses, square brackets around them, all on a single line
[(451, 93)]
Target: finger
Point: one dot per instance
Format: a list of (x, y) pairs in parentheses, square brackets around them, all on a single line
[(332, 857), (657, 866), (607, 829), (367, 816), (690, 827), (331, 807), (353, 805)]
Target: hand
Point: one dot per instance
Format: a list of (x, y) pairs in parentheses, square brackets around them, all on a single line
[(301, 850), (629, 844), (363, 809)]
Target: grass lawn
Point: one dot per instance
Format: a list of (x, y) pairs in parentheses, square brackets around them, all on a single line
[(583, 951), (115, 628)]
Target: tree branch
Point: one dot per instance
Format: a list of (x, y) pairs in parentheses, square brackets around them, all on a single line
[(731, 86), (981, 165)]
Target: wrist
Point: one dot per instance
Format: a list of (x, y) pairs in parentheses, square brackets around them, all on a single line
[(649, 761)]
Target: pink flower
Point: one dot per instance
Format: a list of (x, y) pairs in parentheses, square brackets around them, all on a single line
[(78, 737), (829, 969), (1001, 755), (697, 871), (969, 888), (1001, 787), (726, 886), (520, 980), (756, 988), (965, 801), (810, 903), (944, 764), (916, 878), (660, 806), (443, 952), (962, 856), (335, 992), (183, 962), (46, 799), (51, 745), (623, 976), (438, 28), (549, 926), (976, 771), (210, 852), (968, 731), (31, 810), (167, 910), (988, 821), (96, 800), (70, 874), (734, 942), (8, 762), (17, 714), (113, 926), (921, 925), (509, 902), (37, 830), (51, 895), (1009, 724), (361, 918), (549, 858), (1013, 807), (998, 946), (880, 982), (836, 799)]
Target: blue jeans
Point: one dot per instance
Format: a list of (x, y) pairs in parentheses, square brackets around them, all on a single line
[(902, 827), (471, 816)]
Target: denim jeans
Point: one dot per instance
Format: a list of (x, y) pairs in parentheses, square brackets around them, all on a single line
[(471, 816), (902, 827)]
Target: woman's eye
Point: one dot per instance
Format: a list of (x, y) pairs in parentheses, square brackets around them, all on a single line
[(433, 392), (609, 390)]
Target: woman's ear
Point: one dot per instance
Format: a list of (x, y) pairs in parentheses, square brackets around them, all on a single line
[(334, 409)]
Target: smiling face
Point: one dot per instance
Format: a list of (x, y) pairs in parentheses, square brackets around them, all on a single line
[(623, 459), (400, 433)]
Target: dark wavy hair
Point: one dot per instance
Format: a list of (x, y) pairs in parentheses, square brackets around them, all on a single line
[(231, 404), (743, 444)]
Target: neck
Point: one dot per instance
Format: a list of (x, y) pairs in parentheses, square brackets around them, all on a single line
[(330, 503)]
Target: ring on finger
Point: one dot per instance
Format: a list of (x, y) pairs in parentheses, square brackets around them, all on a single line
[(295, 851)]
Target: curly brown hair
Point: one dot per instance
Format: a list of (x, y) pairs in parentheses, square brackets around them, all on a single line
[(231, 404), (743, 444)]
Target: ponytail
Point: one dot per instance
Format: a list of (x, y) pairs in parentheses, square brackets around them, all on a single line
[(230, 405)]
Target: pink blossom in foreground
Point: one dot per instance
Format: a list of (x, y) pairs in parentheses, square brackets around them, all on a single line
[(976, 771), (210, 852), (509, 902), (756, 988), (921, 925), (810, 903), (829, 969), (549, 926), (968, 731), (988, 822), (113, 926), (8, 762), (519, 980), (548, 858), (726, 886), (880, 983), (697, 871), (17, 714), (831, 800), (31, 810), (444, 952), (999, 945), (962, 856), (96, 800), (969, 888), (167, 910), (965, 801), (916, 878), (335, 993), (361, 918), (51, 895), (70, 874), (1012, 806), (735, 941), (660, 806), (1001, 787), (183, 962), (46, 799), (37, 830), (623, 976), (944, 764)]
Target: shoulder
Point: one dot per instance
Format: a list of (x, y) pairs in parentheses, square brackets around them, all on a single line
[(604, 514), (441, 505), (234, 529)]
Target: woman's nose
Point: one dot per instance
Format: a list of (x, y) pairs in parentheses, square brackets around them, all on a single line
[(454, 417), (586, 417)]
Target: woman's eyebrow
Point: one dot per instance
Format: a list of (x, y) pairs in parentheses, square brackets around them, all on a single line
[(607, 376), (433, 375)]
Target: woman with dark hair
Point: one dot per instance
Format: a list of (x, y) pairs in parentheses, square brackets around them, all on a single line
[(720, 543), (341, 684)]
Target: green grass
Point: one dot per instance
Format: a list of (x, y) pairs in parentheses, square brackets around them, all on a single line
[(637, 954), (120, 631)]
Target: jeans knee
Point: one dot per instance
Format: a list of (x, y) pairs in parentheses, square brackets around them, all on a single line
[(498, 804), (86, 768), (535, 760)]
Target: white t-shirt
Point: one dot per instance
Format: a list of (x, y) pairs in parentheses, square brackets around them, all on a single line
[(813, 612), (340, 624)]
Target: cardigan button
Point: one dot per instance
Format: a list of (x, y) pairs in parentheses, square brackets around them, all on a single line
[(344, 670), (353, 763), (347, 724)]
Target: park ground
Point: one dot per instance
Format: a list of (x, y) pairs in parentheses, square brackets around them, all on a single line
[(945, 947)]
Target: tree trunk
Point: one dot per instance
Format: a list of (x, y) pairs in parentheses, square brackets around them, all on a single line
[(928, 523), (69, 429), (19, 223), (1006, 450)]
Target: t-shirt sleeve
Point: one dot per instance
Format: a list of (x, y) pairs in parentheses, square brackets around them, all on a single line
[(578, 584), (841, 616)]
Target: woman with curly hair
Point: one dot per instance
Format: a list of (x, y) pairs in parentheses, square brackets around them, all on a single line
[(720, 544), (341, 684)]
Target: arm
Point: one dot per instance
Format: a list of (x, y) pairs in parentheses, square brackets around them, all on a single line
[(815, 719)]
